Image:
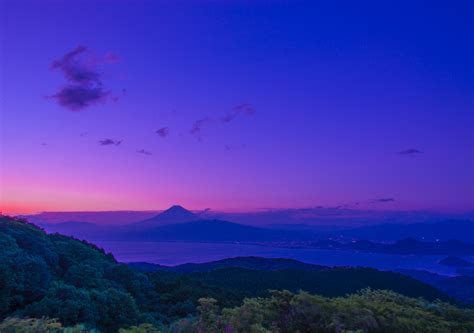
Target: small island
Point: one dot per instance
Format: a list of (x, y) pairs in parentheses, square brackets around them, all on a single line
[(455, 262)]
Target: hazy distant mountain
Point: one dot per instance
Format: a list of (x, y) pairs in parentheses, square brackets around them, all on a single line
[(173, 215), (257, 263), (100, 217), (412, 246), (80, 230), (408, 246), (70, 226), (450, 229), (462, 230), (175, 224), (179, 224), (319, 230), (214, 231)]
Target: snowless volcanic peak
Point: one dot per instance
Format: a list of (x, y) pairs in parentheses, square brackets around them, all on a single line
[(174, 214)]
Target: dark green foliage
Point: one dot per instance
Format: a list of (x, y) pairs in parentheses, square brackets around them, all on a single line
[(59, 277), (32, 325), (180, 292), (84, 276), (67, 303), (74, 282), (116, 309), (366, 311), (25, 253), (143, 328)]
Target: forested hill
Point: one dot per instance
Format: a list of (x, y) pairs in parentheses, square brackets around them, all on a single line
[(54, 276), (257, 263)]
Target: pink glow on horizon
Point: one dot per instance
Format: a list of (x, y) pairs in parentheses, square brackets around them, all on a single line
[(341, 116)]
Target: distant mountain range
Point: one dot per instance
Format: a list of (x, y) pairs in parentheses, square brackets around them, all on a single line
[(412, 246), (179, 224), (430, 231), (462, 230), (175, 224), (99, 217), (408, 246), (214, 231)]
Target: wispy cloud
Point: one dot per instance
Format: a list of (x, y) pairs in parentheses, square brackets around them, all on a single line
[(110, 142), (410, 152), (163, 132), (242, 109), (84, 87), (196, 129), (144, 152), (383, 200)]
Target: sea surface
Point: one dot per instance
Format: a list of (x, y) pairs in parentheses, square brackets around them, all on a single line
[(175, 253)]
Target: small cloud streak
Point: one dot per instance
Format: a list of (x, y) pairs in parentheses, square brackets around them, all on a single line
[(242, 109), (84, 87), (410, 152), (196, 130), (382, 200), (163, 132), (110, 142), (144, 152)]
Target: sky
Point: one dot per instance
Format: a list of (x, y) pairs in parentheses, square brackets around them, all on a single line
[(236, 105)]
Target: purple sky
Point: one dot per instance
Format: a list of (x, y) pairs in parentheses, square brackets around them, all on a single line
[(112, 105)]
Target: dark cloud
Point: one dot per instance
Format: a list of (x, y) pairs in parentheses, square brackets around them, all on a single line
[(241, 109), (78, 97), (84, 87), (144, 152), (410, 152), (163, 132), (74, 69), (384, 200), (110, 142)]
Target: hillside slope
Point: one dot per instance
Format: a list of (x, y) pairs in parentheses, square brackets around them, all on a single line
[(257, 263)]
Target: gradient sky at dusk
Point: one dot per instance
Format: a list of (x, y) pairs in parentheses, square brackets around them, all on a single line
[(237, 105)]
